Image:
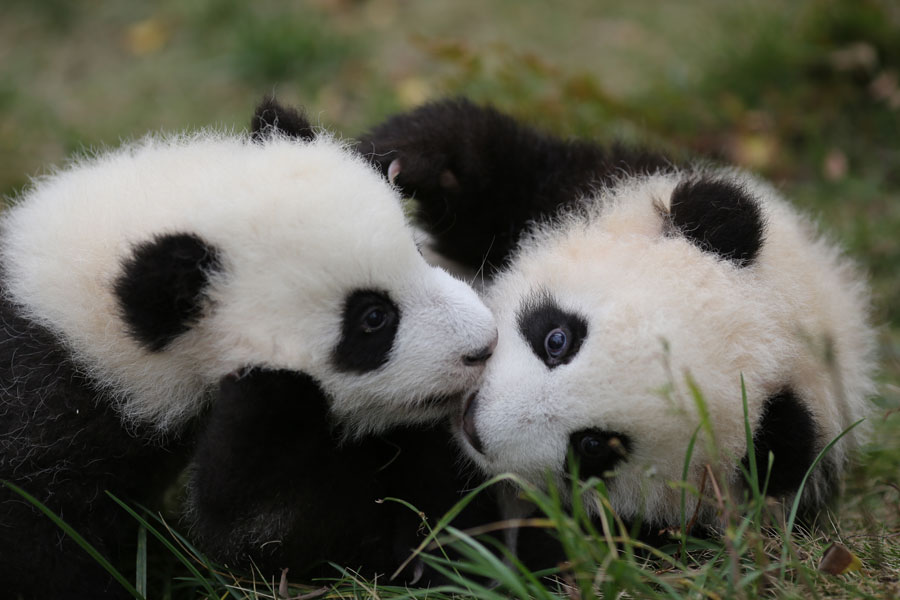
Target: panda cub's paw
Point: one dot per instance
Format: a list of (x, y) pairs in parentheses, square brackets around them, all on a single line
[(434, 150), (451, 157), (479, 178), (244, 477)]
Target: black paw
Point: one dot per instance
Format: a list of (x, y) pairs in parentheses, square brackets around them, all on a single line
[(469, 170)]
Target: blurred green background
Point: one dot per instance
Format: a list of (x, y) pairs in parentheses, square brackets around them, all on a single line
[(805, 93)]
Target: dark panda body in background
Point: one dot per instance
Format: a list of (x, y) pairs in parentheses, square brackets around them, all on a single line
[(67, 450)]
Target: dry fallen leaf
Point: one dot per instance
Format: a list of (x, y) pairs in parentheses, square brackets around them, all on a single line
[(834, 167), (754, 150), (837, 560), (283, 585), (147, 36), (413, 91)]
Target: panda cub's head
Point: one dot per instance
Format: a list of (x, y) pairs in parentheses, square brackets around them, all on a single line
[(609, 316), (169, 263)]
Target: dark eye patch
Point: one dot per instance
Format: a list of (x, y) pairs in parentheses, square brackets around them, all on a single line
[(368, 328), (555, 335)]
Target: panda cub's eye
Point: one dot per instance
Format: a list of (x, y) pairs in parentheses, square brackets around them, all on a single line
[(369, 323), (556, 343), (591, 446), (374, 319)]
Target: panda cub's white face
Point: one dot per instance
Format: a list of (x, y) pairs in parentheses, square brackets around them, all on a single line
[(171, 263), (605, 318)]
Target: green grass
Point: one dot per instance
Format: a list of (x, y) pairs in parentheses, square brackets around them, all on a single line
[(759, 554), (805, 93)]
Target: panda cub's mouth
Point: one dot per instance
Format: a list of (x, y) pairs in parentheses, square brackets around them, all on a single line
[(470, 432)]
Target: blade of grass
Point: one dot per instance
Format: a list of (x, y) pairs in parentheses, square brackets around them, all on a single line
[(477, 590), (605, 513), (194, 554), (689, 453), (169, 546), (531, 577), (789, 526), (76, 537), (502, 573), (424, 522), (140, 567), (751, 447), (449, 516), (703, 413)]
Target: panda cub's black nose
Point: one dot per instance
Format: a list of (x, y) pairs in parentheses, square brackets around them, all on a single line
[(599, 451), (479, 357)]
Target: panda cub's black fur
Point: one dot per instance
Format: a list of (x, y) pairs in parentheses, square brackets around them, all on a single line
[(62, 441), (180, 263), (788, 430), (275, 484), (720, 216)]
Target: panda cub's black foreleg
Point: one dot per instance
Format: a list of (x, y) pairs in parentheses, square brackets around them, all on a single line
[(478, 177), (271, 482)]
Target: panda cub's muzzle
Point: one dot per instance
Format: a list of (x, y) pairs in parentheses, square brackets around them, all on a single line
[(598, 451)]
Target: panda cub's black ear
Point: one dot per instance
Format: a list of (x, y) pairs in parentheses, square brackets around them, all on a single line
[(271, 118), (161, 290), (718, 216)]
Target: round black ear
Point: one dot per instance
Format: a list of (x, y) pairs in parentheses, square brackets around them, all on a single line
[(271, 118), (161, 289), (719, 216)]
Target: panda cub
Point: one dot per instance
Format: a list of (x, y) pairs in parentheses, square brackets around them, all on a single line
[(134, 281), (620, 283), (277, 484)]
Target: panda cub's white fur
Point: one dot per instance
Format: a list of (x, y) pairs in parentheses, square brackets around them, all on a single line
[(659, 306), (296, 227)]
